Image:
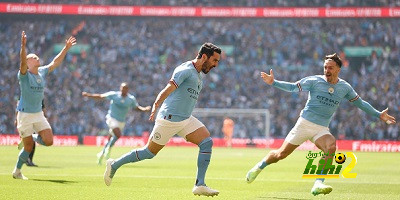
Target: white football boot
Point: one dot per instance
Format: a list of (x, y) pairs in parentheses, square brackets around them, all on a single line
[(109, 173), (203, 190)]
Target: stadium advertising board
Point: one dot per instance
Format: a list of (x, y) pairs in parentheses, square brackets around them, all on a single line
[(59, 140), (347, 145), (175, 11)]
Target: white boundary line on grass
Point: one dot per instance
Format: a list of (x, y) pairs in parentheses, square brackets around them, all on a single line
[(211, 178)]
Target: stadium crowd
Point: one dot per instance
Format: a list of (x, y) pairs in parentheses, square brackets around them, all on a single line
[(144, 52), (236, 3)]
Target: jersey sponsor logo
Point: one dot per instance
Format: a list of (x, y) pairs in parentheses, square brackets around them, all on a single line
[(37, 89), (193, 93), (327, 101)]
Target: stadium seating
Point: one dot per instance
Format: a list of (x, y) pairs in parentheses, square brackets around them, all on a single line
[(144, 51)]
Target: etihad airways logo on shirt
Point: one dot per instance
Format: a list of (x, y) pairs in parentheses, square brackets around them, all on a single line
[(327, 101), (37, 89), (193, 93)]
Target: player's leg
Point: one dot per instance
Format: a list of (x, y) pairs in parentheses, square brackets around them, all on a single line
[(196, 133), (100, 155), (115, 130), (25, 128), (30, 162), (116, 134), (327, 143), (136, 155), (300, 133), (201, 137), (23, 157), (159, 137), (43, 128), (272, 157), (44, 137)]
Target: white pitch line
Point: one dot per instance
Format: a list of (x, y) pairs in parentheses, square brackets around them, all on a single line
[(342, 181)]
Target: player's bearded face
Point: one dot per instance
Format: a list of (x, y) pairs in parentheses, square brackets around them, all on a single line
[(210, 63), (207, 66)]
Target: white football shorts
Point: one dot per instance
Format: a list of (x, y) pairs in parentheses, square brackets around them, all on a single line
[(113, 123), (305, 130), (29, 123), (163, 129)]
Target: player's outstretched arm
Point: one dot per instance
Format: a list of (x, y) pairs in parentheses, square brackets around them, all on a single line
[(160, 98), (93, 96), (283, 85), (71, 41), (23, 67), (370, 110), (268, 78), (143, 109), (386, 117)]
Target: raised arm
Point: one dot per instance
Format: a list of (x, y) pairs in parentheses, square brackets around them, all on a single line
[(94, 96), (160, 98), (23, 67), (71, 41)]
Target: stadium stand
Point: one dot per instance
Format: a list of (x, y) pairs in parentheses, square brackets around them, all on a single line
[(144, 51)]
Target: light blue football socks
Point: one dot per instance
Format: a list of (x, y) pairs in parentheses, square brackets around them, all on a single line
[(262, 164), (112, 141), (37, 138), (203, 160), (109, 144), (132, 156), (22, 158)]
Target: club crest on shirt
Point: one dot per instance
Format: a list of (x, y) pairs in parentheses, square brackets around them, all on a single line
[(38, 80), (331, 90), (157, 136)]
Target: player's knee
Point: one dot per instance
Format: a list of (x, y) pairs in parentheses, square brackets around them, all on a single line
[(117, 134), (206, 145), (48, 142)]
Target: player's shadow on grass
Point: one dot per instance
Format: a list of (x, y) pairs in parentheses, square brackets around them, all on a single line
[(280, 198), (53, 167), (55, 181), (142, 167)]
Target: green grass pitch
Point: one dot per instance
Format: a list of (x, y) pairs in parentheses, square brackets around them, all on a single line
[(72, 173)]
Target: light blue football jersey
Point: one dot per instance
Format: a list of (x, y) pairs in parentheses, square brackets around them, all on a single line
[(180, 103), (324, 98), (32, 90), (119, 105)]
